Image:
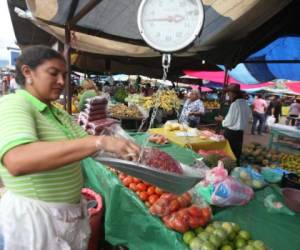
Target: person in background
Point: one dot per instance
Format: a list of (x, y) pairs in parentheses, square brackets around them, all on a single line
[(41, 148), (192, 109), (294, 112), (13, 86), (259, 108), (236, 120), (5, 86), (274, 108), (89, 90)]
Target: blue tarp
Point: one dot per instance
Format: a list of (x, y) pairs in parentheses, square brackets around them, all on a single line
[(283, 48)]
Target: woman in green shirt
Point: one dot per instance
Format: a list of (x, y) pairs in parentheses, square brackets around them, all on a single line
[(40, 152)]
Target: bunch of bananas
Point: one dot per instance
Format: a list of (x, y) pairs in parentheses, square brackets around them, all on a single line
[(290, 162), (165, 99)]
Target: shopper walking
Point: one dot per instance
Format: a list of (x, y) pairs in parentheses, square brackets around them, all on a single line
[(259, 108)]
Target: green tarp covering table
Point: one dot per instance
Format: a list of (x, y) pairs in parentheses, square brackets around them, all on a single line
[(128, 222)]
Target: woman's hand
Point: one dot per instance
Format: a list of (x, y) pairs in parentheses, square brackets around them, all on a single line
[(124, 149)]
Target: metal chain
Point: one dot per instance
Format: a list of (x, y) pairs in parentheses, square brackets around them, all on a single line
[(166, 61)]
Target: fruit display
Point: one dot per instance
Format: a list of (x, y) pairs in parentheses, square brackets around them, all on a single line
[(173, 126), (153, 157), (290, 162), (164, 99), (120, 94), (212, 157), (255, 153), (220, 235), (158, 139), (176, 211), (122, 111), (211, 104), (135, 99)]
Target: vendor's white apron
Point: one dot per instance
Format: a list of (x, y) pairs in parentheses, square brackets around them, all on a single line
[(36, 225)]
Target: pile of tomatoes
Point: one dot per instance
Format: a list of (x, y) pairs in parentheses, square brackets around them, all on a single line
[(148, 193), (158, 139), (177, 212)]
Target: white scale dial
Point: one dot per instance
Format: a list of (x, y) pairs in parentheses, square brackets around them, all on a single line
[(170, 25)]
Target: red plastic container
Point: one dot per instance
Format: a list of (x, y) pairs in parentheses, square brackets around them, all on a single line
[(291, 198), (95, 218)]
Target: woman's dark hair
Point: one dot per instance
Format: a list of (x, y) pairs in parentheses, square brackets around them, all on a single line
[(34, 56)]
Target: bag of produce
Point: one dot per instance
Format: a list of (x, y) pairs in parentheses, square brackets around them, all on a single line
[(275, 206), (97, 100), (249, 176), (231, 192), (96, 117), (272, 175), (188, 218), (155, 158), (169, 203)]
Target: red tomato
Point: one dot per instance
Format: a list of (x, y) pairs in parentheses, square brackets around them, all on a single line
[(180, 226), (195, 211), (153, 198), (201, 221), (141, 187), (127, 181), (136, 180), (133, 186), (143, 196), (174, 205), (158, 190), (193, 222), (187, 197), (151, 190), (206, 213), (122, 176)]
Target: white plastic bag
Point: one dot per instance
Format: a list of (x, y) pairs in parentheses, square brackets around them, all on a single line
[(270, 120)]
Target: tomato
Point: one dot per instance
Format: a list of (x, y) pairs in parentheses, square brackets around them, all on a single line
[(151, 190), (143, 196), (206, 213), (133, 186), (187, 197), (201, 221), (153, 198), (136, 180), (193, 222), (180, 226), (122, 176), (158, 190), (141, 187), (127, 181), (195, 211), (174, 205)]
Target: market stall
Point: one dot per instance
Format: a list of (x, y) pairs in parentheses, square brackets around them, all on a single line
[(284, 136), (128, 222), (195, 142)]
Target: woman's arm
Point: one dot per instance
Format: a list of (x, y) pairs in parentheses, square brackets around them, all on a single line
[(42, 156)]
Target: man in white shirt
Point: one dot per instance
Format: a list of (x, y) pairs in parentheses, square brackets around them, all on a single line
[(236, 120)]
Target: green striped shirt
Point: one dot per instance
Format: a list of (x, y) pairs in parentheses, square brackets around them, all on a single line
[(25, 119)]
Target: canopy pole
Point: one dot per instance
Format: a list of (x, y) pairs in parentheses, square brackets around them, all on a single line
[(223, 95), (67, 54)]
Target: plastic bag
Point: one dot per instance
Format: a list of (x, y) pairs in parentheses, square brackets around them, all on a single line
[(169, 203), (216, 174), (270, 120), (249, 176), (275, 206), (155, 158), (272, 175), (188, 218), (230, 192)]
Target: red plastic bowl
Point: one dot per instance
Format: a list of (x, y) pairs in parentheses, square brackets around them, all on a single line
[(291, 198)]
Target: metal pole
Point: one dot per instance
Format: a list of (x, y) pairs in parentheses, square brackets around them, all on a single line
[(67, 54), (222, 99)]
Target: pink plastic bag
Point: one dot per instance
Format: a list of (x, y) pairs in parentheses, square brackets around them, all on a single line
[(231, 192)]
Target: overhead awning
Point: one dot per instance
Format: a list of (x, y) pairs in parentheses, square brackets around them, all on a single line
[(110, 29)]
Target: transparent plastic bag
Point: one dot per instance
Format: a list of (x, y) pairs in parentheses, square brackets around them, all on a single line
[(231, 192), (249, 176), (272, 175), (275, 206)]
